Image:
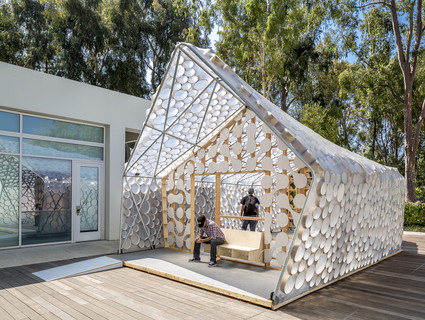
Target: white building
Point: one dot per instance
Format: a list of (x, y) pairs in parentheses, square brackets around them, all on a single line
[(62, 154)]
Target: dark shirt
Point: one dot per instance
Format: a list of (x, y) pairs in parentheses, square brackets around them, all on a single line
[(245, 209)]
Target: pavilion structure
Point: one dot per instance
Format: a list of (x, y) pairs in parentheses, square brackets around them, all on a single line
[(326, 212)]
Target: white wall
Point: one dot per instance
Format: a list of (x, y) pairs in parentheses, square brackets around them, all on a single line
[(26, 90)]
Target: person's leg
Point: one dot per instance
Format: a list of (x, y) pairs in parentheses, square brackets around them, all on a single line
[(213, 253), (244, 224), (197, 251), (252, 225)]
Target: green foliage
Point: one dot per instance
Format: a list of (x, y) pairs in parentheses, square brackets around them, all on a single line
[(200, 21), (375, 85), (388, 78), (323, 109), (115, 44), (414, 214), (271, 45), (320, 121)]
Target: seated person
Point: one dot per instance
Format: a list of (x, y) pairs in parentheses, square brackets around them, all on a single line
[(214, 237)]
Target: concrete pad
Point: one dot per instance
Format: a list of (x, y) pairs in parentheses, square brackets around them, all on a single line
[(30, 255)]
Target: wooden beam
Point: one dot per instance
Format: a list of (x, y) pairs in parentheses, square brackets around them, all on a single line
[(242, 217), (230, 172), (217, 198), (268, 190), (192, 212), (178, 249), (181, 206), (164, 210)]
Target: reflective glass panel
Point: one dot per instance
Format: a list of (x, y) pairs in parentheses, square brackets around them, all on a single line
[(89, 199), (61, 129), (46, 200), (62, 150), (9, 201), (9, 121), (9, 144)]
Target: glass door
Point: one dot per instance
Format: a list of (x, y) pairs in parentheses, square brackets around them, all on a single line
[(88, 212)]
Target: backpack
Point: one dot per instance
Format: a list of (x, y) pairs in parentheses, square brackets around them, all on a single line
[(250, 206)]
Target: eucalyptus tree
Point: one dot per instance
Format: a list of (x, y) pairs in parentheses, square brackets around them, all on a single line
[(406, 36), (199, 15), (326, 109), (270, 43), (11, 36), (25, 36)]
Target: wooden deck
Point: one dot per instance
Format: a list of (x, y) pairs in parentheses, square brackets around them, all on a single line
[(393, 289)]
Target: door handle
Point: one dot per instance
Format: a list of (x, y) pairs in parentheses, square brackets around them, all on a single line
[(77, 210)]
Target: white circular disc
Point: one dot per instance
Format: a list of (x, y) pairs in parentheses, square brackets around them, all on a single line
[(340, 194), (282, 240), (299, 253), (237, 148), (267, 182), (289, 284), (282, 181), (283, 163), (300, 180), (300, 280), (267, 164), (282, 219), (236, 165), (128, 203), (282, 201), (251, 164), (224, 150), (310, 273), (266, 199), (280, 257), (299, 200), (321, 263), (179, 213)]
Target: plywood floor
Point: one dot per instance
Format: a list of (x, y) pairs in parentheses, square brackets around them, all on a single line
[(255, 280), (393, 289)]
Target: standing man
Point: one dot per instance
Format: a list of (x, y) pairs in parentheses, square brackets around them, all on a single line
[(250, 208), (214, 237)]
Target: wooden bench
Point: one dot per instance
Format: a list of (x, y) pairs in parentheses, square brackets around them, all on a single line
[(241, 244)]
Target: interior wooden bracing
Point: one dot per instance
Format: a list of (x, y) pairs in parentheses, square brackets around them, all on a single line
[(230, 150)]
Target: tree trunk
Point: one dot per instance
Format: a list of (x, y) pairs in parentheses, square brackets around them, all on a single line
[(283, 98), (409, 150), (263, 70), (408, 61), (410, 176)]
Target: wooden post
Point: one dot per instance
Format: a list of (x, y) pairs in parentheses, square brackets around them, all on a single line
[(267, 210), (192, 211), (182, 218), (174, 204), (240, 139), (164, 210), (217, 198)]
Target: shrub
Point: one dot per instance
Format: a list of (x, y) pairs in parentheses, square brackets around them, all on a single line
[(414, 214), (420, 193)]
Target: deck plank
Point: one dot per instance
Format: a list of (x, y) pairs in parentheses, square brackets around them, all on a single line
[(392, 289)]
